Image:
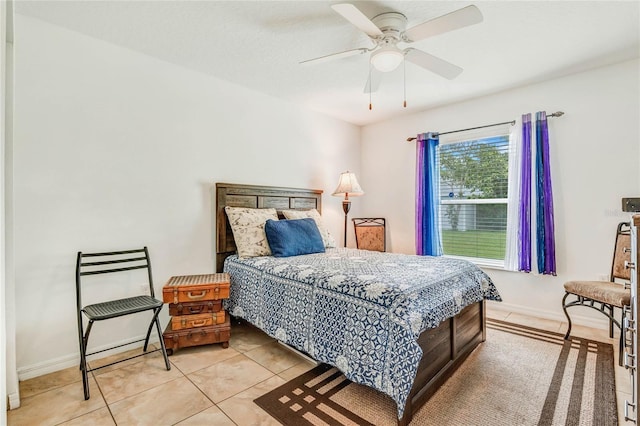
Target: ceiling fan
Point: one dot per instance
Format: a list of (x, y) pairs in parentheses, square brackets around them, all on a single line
[(388, 30)]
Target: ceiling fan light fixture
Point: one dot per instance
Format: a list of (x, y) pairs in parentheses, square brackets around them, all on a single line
[(387, 58)]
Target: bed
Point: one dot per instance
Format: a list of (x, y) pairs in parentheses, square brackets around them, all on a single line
[(401, 324)]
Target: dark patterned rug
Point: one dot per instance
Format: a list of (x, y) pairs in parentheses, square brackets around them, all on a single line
[(519, 376)]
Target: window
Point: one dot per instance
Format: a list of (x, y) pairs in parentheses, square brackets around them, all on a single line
[(473, 194)]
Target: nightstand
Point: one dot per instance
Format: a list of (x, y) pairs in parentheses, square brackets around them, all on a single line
[(195, 306)]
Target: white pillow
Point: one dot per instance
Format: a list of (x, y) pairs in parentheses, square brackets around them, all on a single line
[(248, 230), (327, 239)]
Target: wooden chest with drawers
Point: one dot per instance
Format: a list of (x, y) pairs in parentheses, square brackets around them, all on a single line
[(195, 306)]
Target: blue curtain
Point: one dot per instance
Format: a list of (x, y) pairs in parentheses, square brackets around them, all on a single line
[(545, 238), (428, 238)]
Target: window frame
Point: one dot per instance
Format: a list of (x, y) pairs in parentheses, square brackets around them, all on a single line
[(480, 261)]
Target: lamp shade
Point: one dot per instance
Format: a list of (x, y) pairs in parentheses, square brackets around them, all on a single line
[(348, 185), (387, 58)]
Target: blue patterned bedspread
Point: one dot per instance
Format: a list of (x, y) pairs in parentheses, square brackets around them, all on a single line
[(358, 310)]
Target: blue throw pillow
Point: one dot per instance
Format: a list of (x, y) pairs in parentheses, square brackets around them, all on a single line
[(293, 237)]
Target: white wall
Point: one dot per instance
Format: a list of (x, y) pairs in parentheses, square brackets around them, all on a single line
[(594, 151), (13, 391), (114, 149), (3, 297)]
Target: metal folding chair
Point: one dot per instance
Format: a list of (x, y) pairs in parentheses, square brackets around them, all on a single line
[(91, 264)]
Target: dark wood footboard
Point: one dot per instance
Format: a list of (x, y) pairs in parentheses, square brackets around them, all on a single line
[(444, 349)]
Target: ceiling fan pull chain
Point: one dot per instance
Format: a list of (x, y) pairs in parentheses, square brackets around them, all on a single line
[(370, 83), (404, 80)]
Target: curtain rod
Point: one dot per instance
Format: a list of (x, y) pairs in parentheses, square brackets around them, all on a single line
[(512, 122)]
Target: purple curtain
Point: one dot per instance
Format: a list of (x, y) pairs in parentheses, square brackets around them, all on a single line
[(524, 248), (428, 239), (545, 235)]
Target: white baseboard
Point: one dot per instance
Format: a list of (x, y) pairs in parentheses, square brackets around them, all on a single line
[(14, 400), (71, 360), (600, 323), (46, 367)]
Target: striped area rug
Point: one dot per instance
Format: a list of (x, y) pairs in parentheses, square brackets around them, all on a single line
[(519, 376)]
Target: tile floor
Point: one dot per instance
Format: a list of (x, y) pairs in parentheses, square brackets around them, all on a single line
[(206, 385)]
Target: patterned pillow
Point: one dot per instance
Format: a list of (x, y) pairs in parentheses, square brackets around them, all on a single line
[(327, 239), (248, 230)]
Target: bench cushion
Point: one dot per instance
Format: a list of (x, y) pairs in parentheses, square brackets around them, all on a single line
[(600, 291)]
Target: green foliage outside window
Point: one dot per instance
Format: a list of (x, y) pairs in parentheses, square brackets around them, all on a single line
[(475, 170)]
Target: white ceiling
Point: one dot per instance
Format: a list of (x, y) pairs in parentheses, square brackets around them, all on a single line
[(258, 44)]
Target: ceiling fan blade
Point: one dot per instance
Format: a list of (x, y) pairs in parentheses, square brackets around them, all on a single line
[(451, 21), (333, 56), (432, 63), (374, 80), (357, 18)]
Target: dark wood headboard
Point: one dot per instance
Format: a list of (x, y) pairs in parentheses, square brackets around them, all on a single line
[(257, 197)]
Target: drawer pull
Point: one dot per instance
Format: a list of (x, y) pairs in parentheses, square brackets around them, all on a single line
[(628, 340), (627, 404), (198, 295), (193, 323), (629, 265), (627, 364), (627, 311), (629, 325)]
